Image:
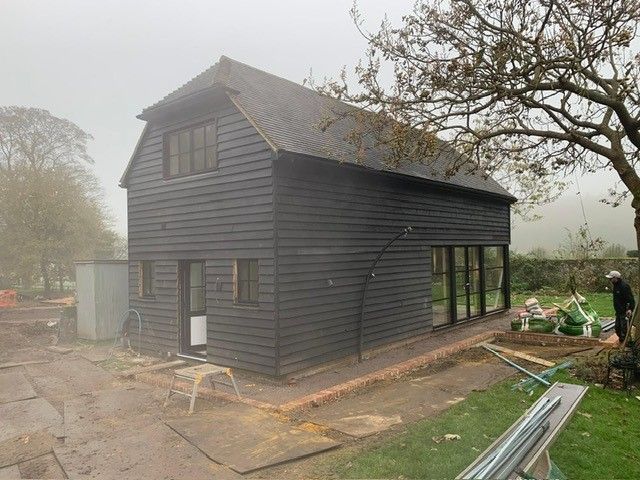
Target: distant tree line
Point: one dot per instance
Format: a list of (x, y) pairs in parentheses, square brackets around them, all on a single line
[(581, 245), (51, 202)]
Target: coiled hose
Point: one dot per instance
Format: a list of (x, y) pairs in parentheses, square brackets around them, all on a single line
[(120, 330)]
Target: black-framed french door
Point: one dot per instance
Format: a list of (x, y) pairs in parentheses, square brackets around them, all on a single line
[(193, 318), (467, 285), (467, 282)]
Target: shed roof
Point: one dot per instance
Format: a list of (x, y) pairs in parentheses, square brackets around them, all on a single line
[(289, 115)]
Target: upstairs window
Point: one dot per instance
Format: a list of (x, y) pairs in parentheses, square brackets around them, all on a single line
[(192, 150)]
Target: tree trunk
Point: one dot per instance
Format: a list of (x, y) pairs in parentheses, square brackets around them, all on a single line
[(44, 271), (60, 279), (635, 321)]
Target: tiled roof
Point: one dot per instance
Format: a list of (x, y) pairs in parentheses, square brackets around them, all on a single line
[(290, 115)]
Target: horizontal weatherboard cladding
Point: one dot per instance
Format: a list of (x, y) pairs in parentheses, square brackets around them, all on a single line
[(216, 217), (332, 220)]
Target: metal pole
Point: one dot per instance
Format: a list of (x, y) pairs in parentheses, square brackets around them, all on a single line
[(515, 365), (366, 286)]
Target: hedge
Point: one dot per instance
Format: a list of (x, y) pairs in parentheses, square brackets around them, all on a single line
[(539, 274)]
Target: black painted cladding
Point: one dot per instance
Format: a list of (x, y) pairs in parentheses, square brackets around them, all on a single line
[(332, 220), (216, 217)]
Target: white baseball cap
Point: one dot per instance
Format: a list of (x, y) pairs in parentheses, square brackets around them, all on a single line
[(613, 274)]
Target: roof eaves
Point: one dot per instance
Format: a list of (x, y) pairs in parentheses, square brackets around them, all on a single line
[(442, 184), (125, 174), (150, 111), (234, 99)]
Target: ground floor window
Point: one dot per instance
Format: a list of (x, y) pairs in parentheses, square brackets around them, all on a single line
[(146, 278), (467, 281), (246, 284)]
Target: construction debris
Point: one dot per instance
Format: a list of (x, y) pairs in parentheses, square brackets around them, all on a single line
[(533, 319), (20, 364), (607, 325), (522, 451), (448, 437), (528, 384), (510, 452), (575, 317), (515, 365), (524, 356), (57, 349)]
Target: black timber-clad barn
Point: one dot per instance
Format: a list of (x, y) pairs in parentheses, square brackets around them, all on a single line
[(251, 231)]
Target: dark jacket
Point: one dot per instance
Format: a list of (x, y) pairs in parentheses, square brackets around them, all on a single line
[(622, 297)]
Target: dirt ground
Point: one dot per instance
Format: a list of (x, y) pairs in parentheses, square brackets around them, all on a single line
[(73, 416)]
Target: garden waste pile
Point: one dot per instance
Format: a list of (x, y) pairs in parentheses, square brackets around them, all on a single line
[(574, 317)]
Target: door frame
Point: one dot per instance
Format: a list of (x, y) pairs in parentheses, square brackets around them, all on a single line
[(184, 300), (467, 284), (453, 298)]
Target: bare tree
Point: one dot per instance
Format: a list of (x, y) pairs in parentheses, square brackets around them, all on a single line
[(536, 88), (35, 138)]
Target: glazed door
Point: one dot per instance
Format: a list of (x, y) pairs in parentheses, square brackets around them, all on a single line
[(194, 310), (467, 282)]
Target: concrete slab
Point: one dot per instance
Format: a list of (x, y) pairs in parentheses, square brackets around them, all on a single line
[(154, 451), (14, 386), (27, 416), (409, 400), (68, 377), (45, 466), (95, 354), (25, 447), (106, 411), (466, 377), (9, 473), (360, 426), (246, 439)]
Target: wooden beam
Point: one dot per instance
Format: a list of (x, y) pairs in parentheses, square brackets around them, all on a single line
[(152, 368), (524, 356), (19, 364)]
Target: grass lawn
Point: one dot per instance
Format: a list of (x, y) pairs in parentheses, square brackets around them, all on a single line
[(601, 302), (600, 444)]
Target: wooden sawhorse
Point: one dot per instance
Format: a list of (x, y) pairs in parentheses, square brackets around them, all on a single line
[(197, 375)]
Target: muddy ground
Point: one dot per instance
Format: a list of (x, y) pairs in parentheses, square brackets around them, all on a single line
[(73, 416)]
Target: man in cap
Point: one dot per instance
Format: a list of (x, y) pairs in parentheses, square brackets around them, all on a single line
[(623, 302)]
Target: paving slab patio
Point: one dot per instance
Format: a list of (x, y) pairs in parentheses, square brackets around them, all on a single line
[(95, 353), (45, 466), (246, 439), (68, 377), (25, 447), (27, 416), (407, 400), (14, 386), (154, 451), (9, 473), (107, 411)]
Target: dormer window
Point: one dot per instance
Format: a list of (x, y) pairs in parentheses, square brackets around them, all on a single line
[(192, 150)]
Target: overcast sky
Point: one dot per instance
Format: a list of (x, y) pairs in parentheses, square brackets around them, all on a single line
[(99, 63)]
